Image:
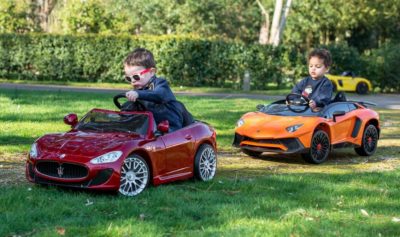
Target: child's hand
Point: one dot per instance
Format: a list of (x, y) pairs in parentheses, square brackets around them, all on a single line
[(312, 104), (132, 95)]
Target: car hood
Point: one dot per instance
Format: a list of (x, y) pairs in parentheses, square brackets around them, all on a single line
[(261, 125), (87, 144)]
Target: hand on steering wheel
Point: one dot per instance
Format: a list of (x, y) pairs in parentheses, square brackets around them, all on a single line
[(297, 99), (294, 99), (129, 105)]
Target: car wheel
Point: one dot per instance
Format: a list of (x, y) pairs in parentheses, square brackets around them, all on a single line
[(205, 163), (251, 153), (135, 176), (369, 141), (362, 88), (319, 149)]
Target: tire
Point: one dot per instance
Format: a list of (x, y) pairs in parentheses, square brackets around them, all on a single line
[(135, 176), (205, 163), (319, 149), (251, 153), (362, 88), (369, 141)]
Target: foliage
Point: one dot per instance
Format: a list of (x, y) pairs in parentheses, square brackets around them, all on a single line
[(184, 60), (384, 67), (15, 16), (310, 22)]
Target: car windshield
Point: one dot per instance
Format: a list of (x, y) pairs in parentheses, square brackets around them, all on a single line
[(293, 110), (102, 121)]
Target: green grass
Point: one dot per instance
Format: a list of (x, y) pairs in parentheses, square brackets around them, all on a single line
[(270, 196)]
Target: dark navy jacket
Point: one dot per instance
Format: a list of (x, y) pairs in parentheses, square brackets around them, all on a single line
[(318, 90), (164, 105)]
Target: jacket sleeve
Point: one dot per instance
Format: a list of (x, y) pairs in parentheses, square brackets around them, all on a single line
[(299, 87), (158, 95), (325, 94)]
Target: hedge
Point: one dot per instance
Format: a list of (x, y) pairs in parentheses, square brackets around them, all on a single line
[(188, 61), (183, 60)]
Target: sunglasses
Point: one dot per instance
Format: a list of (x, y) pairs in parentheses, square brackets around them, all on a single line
[(137, 76)]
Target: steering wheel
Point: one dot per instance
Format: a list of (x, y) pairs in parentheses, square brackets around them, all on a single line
[(294, 99), (129, 105)]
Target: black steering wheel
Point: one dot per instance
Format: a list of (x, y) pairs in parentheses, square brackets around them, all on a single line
[(298, 100), (129, 105)]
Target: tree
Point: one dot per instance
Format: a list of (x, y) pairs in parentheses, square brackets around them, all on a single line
[(278, 23)]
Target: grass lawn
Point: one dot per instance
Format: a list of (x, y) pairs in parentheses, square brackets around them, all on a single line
[(270, 196)]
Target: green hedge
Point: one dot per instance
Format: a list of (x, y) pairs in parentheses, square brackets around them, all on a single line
[(187, 61), (183, 60)]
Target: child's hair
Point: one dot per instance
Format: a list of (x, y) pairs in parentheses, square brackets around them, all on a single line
[(322, 54), (140, 57)]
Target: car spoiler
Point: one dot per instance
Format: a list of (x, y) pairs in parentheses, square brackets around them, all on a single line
[(365, 103)]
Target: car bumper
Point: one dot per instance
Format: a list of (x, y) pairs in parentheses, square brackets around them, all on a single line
[(281, 145), (97, 178)]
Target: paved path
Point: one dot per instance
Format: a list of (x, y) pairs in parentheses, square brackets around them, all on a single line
[(389, 101)]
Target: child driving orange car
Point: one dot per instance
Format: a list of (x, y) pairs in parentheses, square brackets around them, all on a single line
[(316, 87)]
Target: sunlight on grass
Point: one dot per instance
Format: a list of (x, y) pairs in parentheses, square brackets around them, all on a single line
[(274, 195)]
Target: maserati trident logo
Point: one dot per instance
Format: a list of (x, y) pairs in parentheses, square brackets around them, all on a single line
[(60, 171)]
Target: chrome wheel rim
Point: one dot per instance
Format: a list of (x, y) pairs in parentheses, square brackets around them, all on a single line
[(208, 164), (134, 176)]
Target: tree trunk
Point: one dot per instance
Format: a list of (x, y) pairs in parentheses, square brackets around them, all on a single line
[(278, 35), (264, 30), (44, 11), (275, 20)]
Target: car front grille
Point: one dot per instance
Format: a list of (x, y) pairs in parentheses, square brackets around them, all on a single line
[(62, 170)]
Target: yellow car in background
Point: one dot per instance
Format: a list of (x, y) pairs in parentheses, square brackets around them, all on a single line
[(349, 82)]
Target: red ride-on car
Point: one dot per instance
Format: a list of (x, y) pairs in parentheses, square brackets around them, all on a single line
[(122, 150)]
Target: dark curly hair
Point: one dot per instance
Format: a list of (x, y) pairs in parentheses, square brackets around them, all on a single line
[(322, 54), (140, 57)]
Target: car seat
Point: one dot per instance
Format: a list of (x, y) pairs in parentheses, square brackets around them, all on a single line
[(186, 115), (340, 97)]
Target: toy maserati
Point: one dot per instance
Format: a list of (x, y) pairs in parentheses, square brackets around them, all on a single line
[(291, 126), (122, 150)]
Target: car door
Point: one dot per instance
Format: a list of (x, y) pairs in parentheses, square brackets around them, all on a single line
[(179, 147), (342, 127)]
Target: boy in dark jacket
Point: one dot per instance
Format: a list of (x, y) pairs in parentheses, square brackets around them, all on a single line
[(316, 87), (140, 69)]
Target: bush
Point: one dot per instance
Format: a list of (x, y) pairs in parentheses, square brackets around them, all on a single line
[(384, 67), (184, 60)]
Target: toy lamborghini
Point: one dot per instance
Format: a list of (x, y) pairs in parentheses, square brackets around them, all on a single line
[(291, 126), (349, 82), (122, 150)]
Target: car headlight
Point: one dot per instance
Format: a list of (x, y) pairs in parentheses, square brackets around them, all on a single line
[(293, 128), (33, 153), (240, 123), (107, 158)]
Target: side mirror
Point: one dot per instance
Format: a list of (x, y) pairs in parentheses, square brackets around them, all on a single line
[(71, 119), (337, 113), (260, 107), (163, 126)]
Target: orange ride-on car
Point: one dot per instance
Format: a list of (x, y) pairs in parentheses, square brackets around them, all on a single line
[(291, 126)]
